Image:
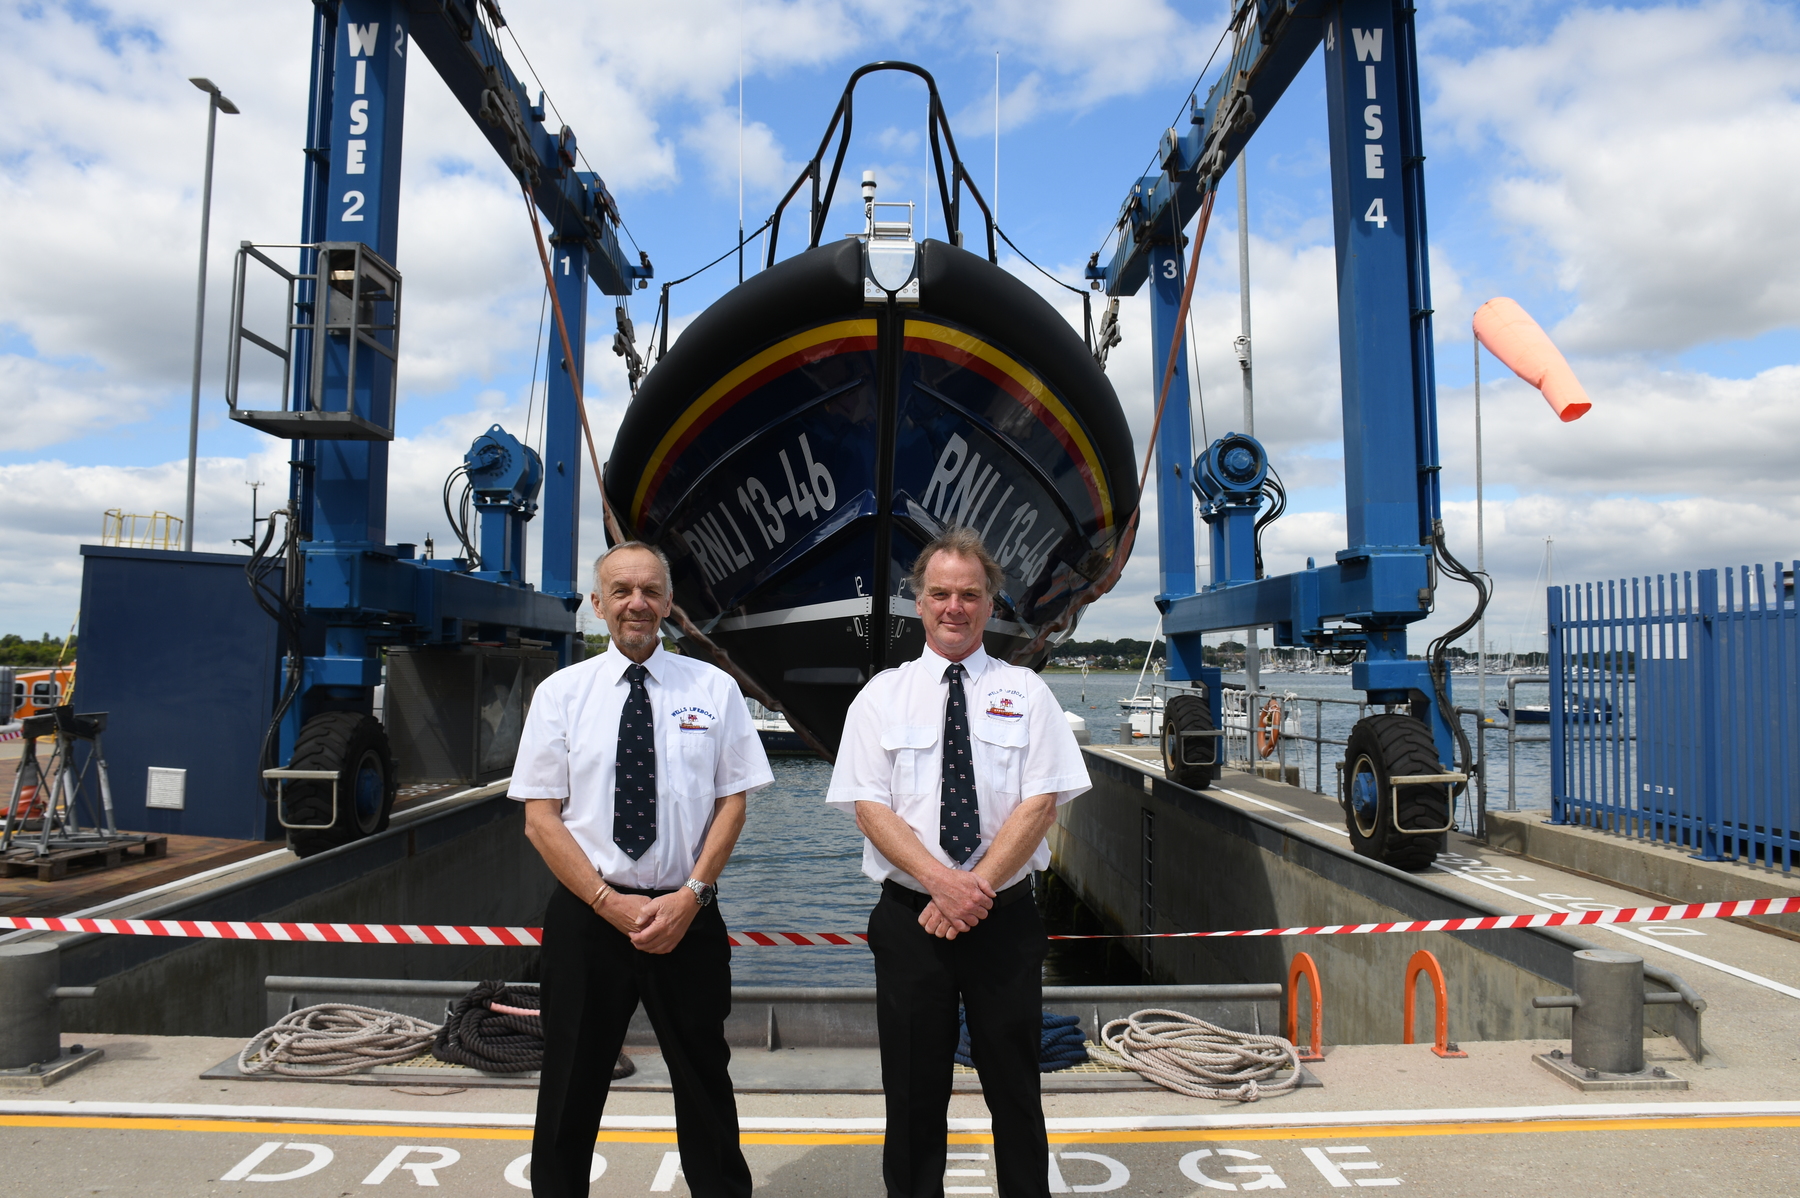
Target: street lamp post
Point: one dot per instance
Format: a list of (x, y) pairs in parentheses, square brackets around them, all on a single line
[(1480, 548), (216, 103)]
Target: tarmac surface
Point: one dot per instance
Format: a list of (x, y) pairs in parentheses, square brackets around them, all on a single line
[(142, 1119)]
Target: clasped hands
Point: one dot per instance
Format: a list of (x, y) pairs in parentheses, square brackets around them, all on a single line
[(959, 900), (655, 925)]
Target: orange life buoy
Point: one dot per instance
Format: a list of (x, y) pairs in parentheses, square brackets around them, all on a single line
[(1268, 727)]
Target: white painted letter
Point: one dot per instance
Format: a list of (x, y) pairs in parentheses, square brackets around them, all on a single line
[(1266, 1178), (1117, 1175), (666, 1173), (1371, 122), (518, 1173), (363, 37), (1372, 162), (424, 1172), (1368, 43), (1333, 1171), (353, 156), (1369, 82), (359, 116), (362, 75), (949, 463), (321, 1156)]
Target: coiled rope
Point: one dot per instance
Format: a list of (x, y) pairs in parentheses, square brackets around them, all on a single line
[(1193, 1057), (495, 1028), (329, 1039)]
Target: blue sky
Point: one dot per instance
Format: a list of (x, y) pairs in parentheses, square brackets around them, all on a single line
[(1623, 171)]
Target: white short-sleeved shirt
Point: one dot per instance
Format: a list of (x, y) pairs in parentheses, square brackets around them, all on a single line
[(706, 748), (892, 753)]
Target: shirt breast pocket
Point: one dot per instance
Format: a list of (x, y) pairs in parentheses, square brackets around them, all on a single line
[(1003, 745), (911, 745), (697, 756)]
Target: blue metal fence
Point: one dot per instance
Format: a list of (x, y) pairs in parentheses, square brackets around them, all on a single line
[(1675, 711)]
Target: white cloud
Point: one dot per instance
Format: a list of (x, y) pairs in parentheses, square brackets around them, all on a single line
[(1096, 51), (49, 402), (715, 141), (1646, 167)]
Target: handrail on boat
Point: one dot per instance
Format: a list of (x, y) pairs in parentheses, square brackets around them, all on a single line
[(949, 189)]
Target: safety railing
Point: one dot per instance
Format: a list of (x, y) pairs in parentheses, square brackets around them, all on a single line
[(158, 530), (1304, 743), (1674, 711), (1250, 714)]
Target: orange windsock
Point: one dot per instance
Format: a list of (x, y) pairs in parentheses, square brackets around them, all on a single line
[(1512, 336)]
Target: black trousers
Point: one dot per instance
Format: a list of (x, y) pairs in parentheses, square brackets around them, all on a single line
[(593, 980), (996, 970)]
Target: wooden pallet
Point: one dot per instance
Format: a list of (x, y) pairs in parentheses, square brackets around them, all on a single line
[(56, 865)]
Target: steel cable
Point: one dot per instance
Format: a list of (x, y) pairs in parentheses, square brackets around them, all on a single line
[(330, 1039), (1193, 1057)]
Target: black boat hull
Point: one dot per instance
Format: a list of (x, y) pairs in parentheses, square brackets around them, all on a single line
[(798, 446)]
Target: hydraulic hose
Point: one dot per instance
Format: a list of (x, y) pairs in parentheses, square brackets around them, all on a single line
[(1437, 655)]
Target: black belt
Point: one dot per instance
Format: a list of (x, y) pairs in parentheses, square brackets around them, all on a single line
[(916, 900)]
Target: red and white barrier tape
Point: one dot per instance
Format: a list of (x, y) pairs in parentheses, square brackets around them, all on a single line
[(453, 934)]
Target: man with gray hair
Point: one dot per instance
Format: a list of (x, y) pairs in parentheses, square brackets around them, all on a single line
[(633, 768), (954, 765)]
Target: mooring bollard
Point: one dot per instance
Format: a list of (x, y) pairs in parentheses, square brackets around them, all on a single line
[(1303, 967), (1425, 961), (1125, 736), (1606, 1030), (30, 1031)]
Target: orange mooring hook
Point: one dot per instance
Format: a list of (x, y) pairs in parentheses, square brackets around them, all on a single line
[(1303, 967), (1424, 962)]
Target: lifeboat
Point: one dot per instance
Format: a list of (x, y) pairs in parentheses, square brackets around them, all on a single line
[(816, 426)]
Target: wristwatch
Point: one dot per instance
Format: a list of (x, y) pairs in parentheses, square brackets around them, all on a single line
[(704, 891)]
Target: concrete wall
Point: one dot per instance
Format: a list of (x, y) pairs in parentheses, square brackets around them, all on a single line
[(469, 865), (1216, 867), (1665, 872)]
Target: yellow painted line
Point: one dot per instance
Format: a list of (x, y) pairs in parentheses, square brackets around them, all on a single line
[(846, 1139), (1403, 1130), (283, 1127)]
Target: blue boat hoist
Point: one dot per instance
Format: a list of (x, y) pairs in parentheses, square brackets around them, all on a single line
[(172, 643), (1399, 778)]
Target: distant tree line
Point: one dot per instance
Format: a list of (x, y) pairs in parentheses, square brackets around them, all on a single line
[(15, 650)]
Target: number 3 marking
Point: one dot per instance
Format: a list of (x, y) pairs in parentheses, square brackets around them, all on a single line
[(1171, 268), (355, 201)]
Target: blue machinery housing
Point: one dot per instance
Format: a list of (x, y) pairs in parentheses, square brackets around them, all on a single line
[(1384, 580)]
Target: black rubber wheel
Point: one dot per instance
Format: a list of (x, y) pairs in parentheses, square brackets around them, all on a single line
[(1383, 747), (1197, 768), (356, 747)]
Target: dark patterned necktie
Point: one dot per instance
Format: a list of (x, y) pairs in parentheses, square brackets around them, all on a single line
[(960, 830), (634, 771)]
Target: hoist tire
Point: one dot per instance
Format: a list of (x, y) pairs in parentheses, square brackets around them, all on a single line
[(356, 747), (1189, 713), (1385, 746)]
